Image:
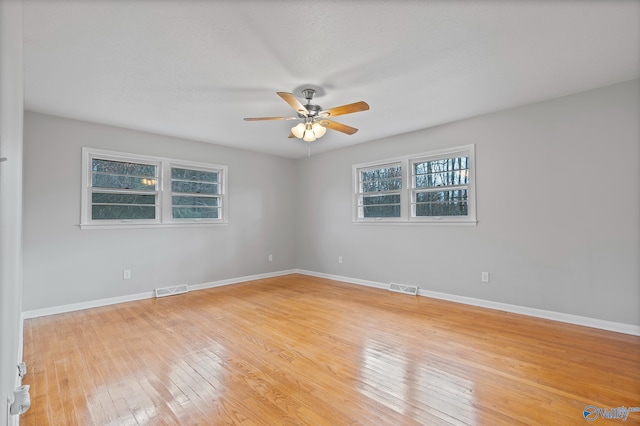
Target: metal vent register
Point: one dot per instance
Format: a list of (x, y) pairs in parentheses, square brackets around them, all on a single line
[(401, 288), (170, 291)]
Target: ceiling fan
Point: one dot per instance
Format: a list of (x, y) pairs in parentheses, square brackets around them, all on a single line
[(315, 120)]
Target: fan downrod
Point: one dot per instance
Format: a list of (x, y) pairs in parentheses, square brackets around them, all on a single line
[(308, 94)]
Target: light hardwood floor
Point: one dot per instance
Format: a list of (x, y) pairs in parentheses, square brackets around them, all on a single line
[(299, 350)]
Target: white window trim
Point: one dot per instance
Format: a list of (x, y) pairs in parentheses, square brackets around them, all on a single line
[(406, 194), (163, 212)]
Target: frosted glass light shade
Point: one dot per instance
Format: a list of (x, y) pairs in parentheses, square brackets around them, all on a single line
[(298, 131), (308, 132), (319, 130)]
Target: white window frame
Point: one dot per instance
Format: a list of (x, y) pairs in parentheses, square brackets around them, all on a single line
[(409, 191), (164, 213)]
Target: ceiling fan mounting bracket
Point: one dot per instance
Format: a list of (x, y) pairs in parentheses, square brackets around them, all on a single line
[(318, 90), (308, 94)]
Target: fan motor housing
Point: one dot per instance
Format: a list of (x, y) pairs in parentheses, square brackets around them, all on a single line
[(313, 110)]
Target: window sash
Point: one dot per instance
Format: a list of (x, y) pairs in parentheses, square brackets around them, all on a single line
[(447, 175), (192, 204), (364, 193), (455, 198), (126, 177), (449, 171), (383, 208), (98, 206)]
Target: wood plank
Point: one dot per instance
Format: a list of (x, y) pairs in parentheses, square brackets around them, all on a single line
[(306, 350)]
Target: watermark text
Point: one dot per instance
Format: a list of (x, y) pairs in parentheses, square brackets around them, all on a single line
[(591, 413)]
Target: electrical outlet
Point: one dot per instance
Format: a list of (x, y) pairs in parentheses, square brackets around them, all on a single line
[(339, 259), (270, 258), (22, 369), (485, 277), (126, 274)]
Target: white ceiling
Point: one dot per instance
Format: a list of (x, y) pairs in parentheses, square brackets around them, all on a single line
[(194, 69)]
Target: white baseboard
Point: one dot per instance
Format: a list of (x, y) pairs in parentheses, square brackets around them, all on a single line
[(139, 296), (516, 309), (35, 313), (241, 279)]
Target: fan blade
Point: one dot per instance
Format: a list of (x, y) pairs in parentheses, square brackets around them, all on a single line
[(294, 102), (345, 109), (333, 125), (291, 135), (269, 118)]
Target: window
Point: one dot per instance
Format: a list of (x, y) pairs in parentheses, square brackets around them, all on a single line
[(440, 187), (379, 191), (195, 193), (123, 190), (434, 187)]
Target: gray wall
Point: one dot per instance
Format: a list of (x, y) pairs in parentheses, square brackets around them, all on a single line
[(64, 265), (11, 120), (558, 213), (558, 210)]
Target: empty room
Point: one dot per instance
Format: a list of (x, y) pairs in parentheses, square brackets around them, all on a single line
[(284, 212)]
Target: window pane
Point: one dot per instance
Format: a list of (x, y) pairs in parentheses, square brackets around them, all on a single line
[(123, 168), (381, 211), (194, 201), (101, 198), (446, 172), (383, 179), (382, 185), (442, 196), (442, 203), (381, 199), (194, 187), (115, 212), (122, 206), (195, 212), (382, 173), (442, 209), (123, 182), (193, 175)]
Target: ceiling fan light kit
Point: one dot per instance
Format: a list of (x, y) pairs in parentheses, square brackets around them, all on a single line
[(308, 131), (314, 119)]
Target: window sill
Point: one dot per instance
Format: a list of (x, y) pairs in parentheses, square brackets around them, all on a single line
[(86, 227), (416, 222)]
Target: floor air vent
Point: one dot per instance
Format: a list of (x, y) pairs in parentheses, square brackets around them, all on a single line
[(170, 291), (401, 288)]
